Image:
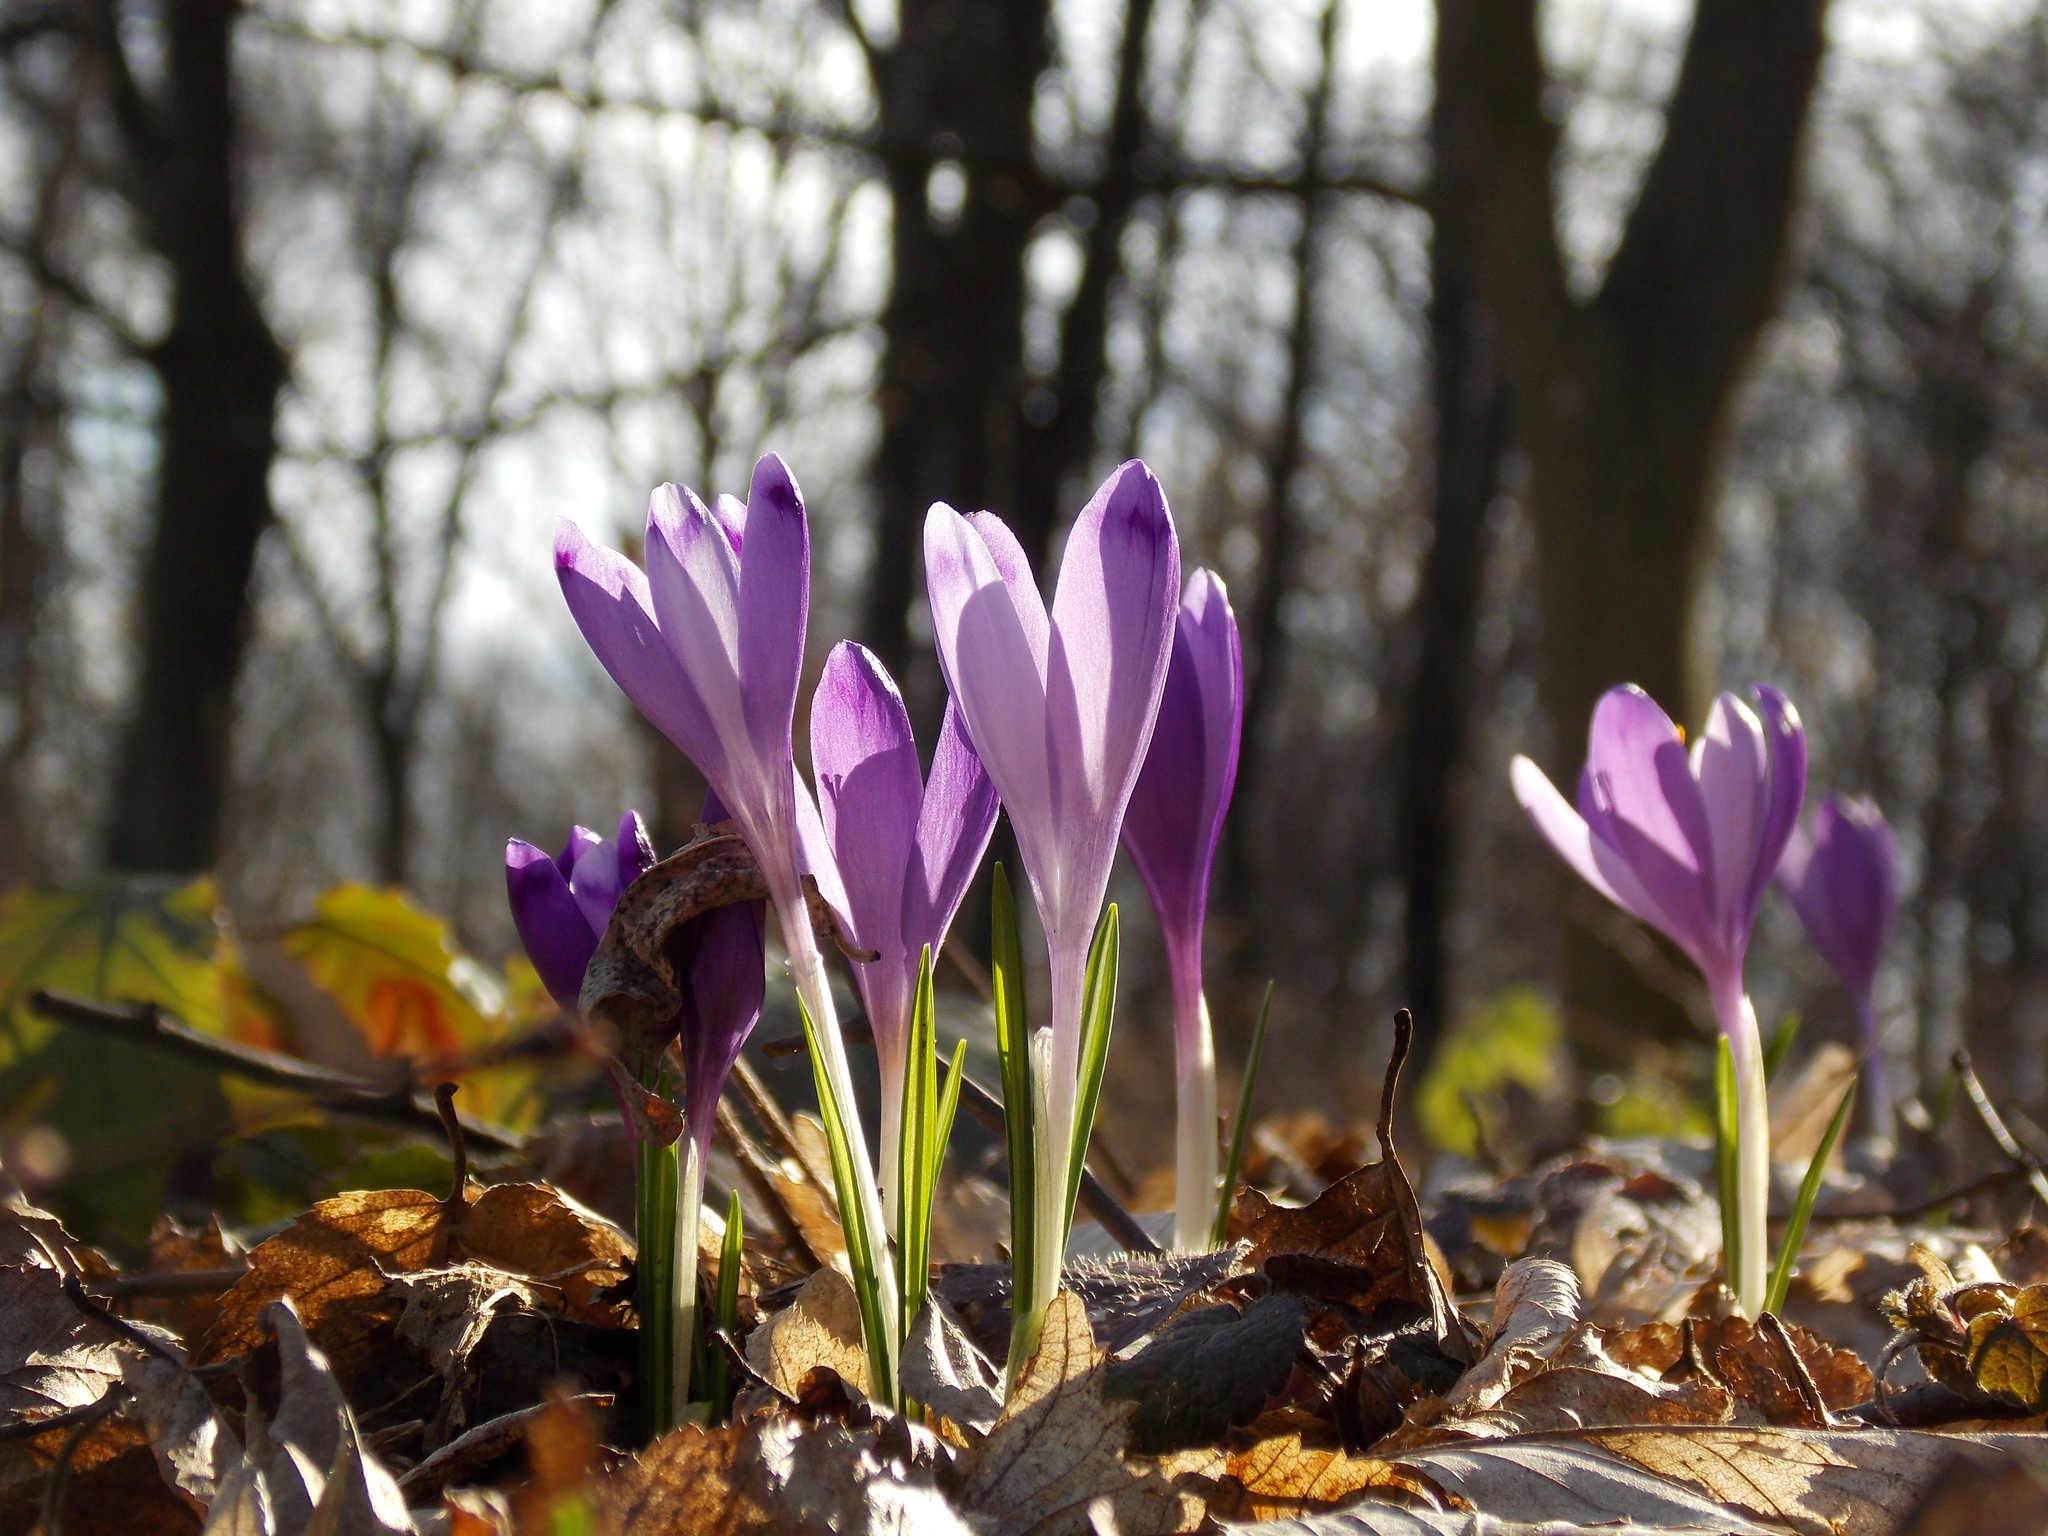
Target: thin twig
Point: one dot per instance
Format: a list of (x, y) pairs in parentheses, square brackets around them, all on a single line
[(339, 1092), (761, 1104), (1988, 1114), (175, 1282), (458, 1148), (971, 970), (754, 1167), (52, 1515), (477, 1448), (1906, 1213), (75, 1294), (1101, 1204)]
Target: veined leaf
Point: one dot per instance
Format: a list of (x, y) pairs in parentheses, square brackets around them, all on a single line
[(1013, 1044), (1098, 1008)]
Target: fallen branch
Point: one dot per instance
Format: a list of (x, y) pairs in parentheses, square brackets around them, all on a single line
[(1995, 1124), (341, 1092)]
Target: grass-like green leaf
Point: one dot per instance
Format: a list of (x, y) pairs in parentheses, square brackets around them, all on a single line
[(917, 1159), (654, 1236), (880, 1332), (1802, 1208), (1727, 1162), (725, 1310), (1241, 1122), (1780, 1045), (1013, 1044), (1098, 1008)]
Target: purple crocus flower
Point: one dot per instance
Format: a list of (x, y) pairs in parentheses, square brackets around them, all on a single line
[(1687, 843), (1843, 880), (709, 646), (905, 850), (1060, 707), (1172, 827), (560, 905)]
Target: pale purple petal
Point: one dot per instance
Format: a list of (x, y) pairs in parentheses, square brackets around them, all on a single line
[(953, 828), (1643, 805), (1113, 621), (694, 578), (1842, 879), (993, 670), (1566, 831), (1014, 566), (608, 597), (1177, 808), (813, 849), (553, 929), (869, 789), (774, 605), (731, 513), (1785, 735), (1734, 772)]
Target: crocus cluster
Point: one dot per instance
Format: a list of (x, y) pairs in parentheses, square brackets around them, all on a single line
[(1052, 713), (1687, 843), (561, 903), (1060, 704)]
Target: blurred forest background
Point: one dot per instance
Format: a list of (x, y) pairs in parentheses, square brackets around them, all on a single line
[(1493, 352)]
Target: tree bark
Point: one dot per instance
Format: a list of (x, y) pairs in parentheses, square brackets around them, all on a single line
[(1471, 433), (1621, 400), (958, 85), (219, 370)]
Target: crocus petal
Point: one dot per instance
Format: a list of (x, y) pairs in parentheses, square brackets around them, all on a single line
[(1112, 639), (993, 658), (594, 881), (1733, 767), (1785, 736), (953, 828), (552, 927), (1842, 879), (725, 981), (635, 847), (775, 589), (694, 578), (609, 598), (1568, 832), (813, 851), (1177, 808), (731, 513), (1642, 804), (869, 788)]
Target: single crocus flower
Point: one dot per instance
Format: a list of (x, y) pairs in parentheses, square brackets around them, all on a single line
[(905, 849), (708, 643), (1843, 880), (1687, 843), (560, 904), (1172, 827), (1060, 706)]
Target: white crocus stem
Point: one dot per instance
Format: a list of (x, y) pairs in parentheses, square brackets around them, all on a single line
[(1049, 1147), (689, 1215), (807, 970), (893, 1074), (1737, 1019), (1195, 1160)]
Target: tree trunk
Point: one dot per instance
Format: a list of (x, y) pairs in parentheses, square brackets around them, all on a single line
[(958, 86), (219, 370), (1471, 432), (1621, 400)]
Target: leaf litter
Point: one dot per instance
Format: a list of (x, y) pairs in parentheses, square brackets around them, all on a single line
[(1550, 1353)]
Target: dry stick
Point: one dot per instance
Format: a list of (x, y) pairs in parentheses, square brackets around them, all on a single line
[(1981, 1102), (475, 1449), (1769, 1323), (74, 1293), (754, 1166), (1906, 1213), (51, 1518), (175, 1282), (341, 1092), (988, 1110), (454, 1209), (761, 1103)]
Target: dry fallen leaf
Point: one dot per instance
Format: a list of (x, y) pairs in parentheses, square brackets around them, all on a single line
[(942, 1369), (52, 1356), (1055, 1459), (1536, 1307), (1209, 1371), (1281, 1476), (820, 1327), (2008, 1352)]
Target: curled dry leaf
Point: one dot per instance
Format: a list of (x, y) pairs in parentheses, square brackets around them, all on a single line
[(820, 1327), (1536, 1307), (1054, 1463), (1281, 1475), (942, 1369), (1734, 1354), (52, 1355)]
